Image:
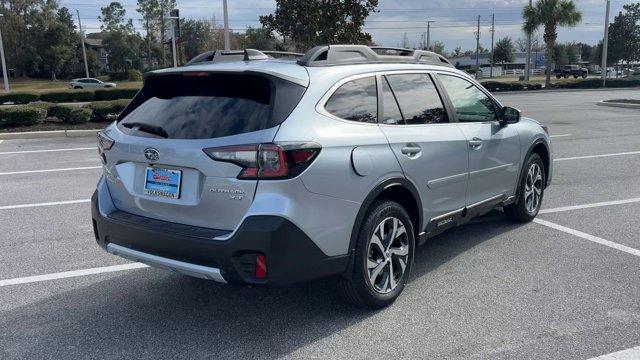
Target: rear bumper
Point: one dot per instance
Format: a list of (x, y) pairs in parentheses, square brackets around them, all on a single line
[(291, 255)]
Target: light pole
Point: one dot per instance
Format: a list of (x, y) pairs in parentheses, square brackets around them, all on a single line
[(605, 44), (84, 52), (429, 34), (227, 40), (173, 38), (527, 65), (5, 78)]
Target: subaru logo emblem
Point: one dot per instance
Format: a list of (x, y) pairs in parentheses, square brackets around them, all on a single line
[(151, 154)]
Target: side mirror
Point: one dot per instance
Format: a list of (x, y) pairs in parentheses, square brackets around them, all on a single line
[(510, 115)]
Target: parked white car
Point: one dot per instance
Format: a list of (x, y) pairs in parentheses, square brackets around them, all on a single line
[(89, 83)]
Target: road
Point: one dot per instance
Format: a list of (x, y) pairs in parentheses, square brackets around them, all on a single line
[(564, 287)]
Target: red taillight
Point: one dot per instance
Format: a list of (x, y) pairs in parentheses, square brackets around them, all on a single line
[(267, 161), (261, 267)]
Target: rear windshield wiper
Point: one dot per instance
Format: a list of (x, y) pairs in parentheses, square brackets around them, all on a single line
[(148, 128)]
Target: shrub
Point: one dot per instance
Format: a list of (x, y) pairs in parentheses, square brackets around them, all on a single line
[(21, 115), (534, 86), (19, 97), (67, 96), (104, 78), (134, 75), (496, 86), (79, 115), (70, 114), (106, 110), (514, 86), (114, 94), (60, 112)]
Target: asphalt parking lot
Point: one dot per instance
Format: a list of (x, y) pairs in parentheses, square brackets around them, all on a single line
[(564, 287)]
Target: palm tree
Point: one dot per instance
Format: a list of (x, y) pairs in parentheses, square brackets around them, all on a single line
[(551, 14)]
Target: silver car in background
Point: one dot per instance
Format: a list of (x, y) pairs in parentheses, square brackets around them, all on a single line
[(90, 83), (244, 169)]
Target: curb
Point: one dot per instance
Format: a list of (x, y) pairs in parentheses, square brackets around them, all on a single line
[(48, 134), (618, 105), (562, 90)]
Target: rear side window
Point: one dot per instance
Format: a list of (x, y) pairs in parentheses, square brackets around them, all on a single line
[(210, 105), (356, 100), (390, 111), (418, 98)]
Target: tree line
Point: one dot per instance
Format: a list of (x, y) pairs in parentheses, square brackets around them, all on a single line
[(42, 40)]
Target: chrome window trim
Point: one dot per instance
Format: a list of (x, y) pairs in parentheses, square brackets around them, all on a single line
[(320, 106)]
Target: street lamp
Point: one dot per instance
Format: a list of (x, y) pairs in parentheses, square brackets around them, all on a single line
[(173, 36), (5, 78)]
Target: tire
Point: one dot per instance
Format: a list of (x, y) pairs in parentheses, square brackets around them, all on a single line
[(558, 76), (528, 202), (77, 87), (575, 76), (390, 253), (584, 76)]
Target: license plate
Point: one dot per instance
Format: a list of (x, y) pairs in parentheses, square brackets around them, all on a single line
[(162, 182)]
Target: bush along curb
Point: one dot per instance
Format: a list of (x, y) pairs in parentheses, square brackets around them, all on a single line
[(59, 96), (497, 86), (31, 114)]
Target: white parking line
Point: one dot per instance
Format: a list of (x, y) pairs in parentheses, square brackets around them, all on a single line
[(586, 236), (22, 206), (561, 135), (70, 274), (629, 354), (49, 170), (1, 141), (587, 206), (595, 156), (44, 151)]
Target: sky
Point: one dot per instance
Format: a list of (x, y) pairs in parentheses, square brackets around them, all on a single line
[(454, 21)]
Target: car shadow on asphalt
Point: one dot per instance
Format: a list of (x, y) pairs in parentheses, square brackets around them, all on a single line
[(151, 313)]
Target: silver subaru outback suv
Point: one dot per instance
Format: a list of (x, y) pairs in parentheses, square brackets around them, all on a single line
[(245, 169)]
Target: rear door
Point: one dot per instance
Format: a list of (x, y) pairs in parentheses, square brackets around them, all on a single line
[(494, 149), (157, 167), (432, 150)]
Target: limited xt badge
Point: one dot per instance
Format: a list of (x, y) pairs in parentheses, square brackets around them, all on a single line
[(444, 222)]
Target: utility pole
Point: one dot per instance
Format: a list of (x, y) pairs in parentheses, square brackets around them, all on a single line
[(605, 45), (84, 52), (174, 18), (527, 65), (429, 34), (493, 32), (478, 47), (227, 40), (5, 78)]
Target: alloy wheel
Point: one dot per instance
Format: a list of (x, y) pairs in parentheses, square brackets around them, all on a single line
[(533, 188), (387, 255)]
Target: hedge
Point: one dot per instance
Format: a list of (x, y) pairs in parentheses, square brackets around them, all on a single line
[(67, 96), (106, 110), (19, 97), (21, 115), (580, 84), (114, 94)]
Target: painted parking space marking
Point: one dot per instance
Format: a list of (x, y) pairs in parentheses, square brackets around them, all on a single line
[(628, 354), (71, 274), (50, 170), (585, 236), (559, 136), (598, 156), (588, 206), (23, 206), (45, 151)]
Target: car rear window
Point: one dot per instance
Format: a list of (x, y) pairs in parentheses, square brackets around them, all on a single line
[(210, 105)]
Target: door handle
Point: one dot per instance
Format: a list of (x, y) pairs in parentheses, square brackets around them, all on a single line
[(475, 143), (411, 149)]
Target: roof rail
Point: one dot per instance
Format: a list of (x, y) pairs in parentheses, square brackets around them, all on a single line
[(329, 55), (218, 56)]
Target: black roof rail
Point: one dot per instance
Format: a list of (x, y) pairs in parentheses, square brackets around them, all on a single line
[(329, 55), (218, 56)]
